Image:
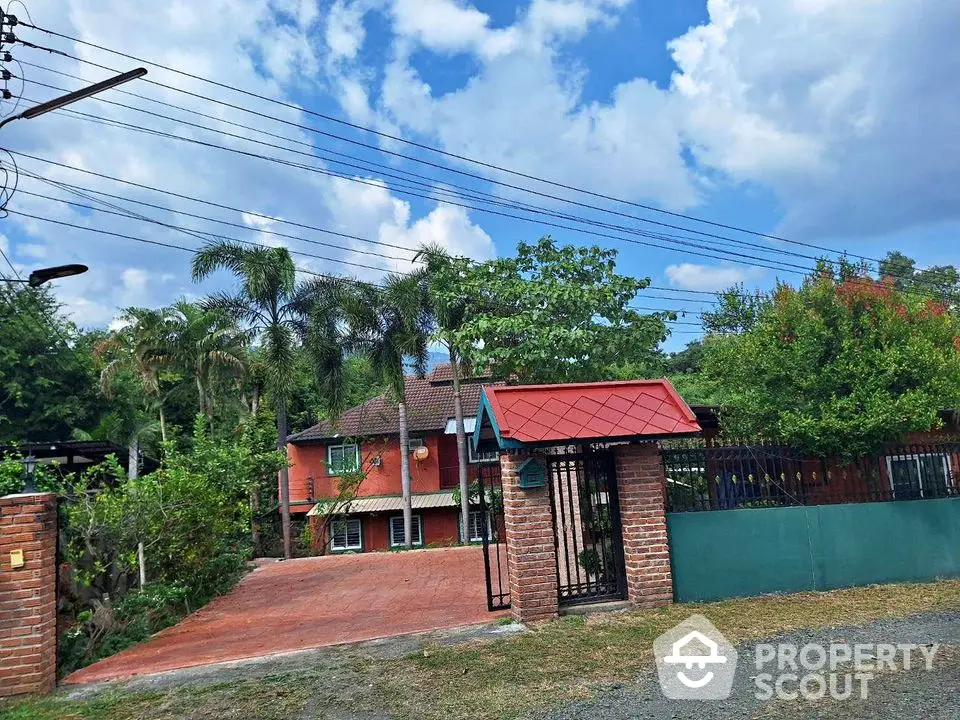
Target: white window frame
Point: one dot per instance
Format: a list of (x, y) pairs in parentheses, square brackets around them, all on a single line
[(343, 446), (476, 537), (346, 535), (944, 459), (416, 528), (489, 456), (413, 442)]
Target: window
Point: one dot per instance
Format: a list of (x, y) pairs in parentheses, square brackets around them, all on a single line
[(917, 476), (396, 531), (480, 521), (413, 443), (346, 535), (342, 459), (487, 456)]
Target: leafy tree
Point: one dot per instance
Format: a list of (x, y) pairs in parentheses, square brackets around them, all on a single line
[(389, 326), (737, 311), (550, 314), (48, 386), (838, 366), (275, 310), (939, 280), (205, 344), (138, 348), (449, 316)]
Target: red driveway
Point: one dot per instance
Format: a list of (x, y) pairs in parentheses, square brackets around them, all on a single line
[(315, 602)]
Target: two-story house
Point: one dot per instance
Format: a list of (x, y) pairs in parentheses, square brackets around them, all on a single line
[(370, 517)]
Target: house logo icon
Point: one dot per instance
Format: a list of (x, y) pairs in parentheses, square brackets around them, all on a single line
[(695, 661)]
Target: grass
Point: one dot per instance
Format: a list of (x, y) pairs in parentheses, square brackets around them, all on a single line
[(504, 678)]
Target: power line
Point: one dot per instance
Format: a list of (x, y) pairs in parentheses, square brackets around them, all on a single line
[(726, 255), (389, 171), (422, 146)]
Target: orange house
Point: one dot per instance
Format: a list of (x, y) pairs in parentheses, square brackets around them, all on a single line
[(369, 515)]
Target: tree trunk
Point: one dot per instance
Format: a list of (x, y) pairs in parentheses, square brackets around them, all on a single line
[(255, 522), (142, 561), (133, 471), (462, 456), (133, 458), (405, 476), (284, 476), (202, 394), (255, 399), (163, 425)]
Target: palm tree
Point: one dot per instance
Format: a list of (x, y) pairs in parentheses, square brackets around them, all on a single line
[(271, 306), (448, 315), (389, 325), (140, 347), (205, 343)]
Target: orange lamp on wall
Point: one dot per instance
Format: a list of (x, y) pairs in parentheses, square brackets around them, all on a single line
[(421, 453)]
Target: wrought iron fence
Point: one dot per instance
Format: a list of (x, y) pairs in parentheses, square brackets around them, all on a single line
[(718, 474)]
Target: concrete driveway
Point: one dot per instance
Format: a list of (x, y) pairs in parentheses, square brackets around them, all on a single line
[(315, 602)]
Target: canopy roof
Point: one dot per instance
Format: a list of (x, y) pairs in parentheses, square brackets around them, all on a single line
[(521, 415)]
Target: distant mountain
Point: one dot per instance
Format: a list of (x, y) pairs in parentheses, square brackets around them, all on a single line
[(434, 358)]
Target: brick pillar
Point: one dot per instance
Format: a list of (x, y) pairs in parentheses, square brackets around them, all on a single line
[(28, 594), (640, 484), (531, 553)]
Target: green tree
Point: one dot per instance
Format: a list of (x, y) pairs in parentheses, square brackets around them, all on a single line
[(449, 316), (939, 280), (274, 309), (48, 387), (839, 366), (390, 326), (139, 347), (205, 345), (551, 314)]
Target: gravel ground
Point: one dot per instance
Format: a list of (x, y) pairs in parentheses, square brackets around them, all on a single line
[(918, 693)]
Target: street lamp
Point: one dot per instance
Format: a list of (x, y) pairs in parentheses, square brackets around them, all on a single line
[(30, 465), (63, 100), (39, 277)]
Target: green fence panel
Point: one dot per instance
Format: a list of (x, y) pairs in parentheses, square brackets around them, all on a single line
[(740, 553)]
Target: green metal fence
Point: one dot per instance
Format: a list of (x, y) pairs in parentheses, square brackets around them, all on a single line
[(741, 553)]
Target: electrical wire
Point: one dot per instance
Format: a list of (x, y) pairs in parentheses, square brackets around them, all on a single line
[(383, 150)]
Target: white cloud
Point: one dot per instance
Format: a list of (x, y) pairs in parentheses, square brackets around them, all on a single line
[(370, 211), (344, 33), (847, 109), (692, 276), (446, 26)]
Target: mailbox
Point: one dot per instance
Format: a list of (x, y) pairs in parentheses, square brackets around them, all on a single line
[(532, 474)]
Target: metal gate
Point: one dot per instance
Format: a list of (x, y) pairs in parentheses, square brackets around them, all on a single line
[(586, 514), (493, 534)]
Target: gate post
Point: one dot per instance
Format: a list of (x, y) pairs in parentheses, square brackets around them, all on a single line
[(531, 553), (28, 593), (640, 486)]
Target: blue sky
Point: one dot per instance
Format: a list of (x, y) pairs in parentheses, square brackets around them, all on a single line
[(827, 122)]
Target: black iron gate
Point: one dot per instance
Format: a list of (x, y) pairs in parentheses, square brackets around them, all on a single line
[(587, 536), (492, 531)]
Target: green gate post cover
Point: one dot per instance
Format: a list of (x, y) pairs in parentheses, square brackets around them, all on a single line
[(532, 474)]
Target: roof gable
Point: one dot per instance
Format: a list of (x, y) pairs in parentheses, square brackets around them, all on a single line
[(542, 414)]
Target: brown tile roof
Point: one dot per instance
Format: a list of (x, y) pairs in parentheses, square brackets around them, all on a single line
[(429, 406)]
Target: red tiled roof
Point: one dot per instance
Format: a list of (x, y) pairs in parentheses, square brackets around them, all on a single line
[(429, 405), (544, 413)]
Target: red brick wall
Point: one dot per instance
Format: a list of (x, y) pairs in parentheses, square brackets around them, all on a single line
[(309, 480), (531, 555), (28, 601), (640, 485), (440, 527)]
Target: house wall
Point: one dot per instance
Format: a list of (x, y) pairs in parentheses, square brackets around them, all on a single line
[(309, 480), (440, 527)]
